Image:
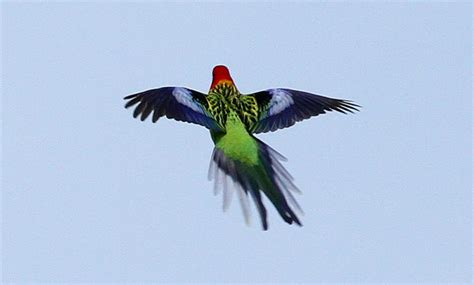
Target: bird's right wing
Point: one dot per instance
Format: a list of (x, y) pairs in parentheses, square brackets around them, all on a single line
[(179, 103), (280, 108)]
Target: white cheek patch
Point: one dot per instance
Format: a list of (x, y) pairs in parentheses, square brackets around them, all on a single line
[(184, 97), (281, 100)]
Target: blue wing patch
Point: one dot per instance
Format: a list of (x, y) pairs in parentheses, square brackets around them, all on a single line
[(282, 108), (179, 103)]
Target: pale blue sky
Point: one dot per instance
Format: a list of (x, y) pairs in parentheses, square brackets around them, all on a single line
[(90, 194)]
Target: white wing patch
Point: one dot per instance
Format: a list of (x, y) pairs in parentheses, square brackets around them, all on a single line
[(281, 100), (183, 96)]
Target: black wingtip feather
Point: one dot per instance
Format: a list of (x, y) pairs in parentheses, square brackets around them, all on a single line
[(146, 112), (351, 106), (129, 96), (156, 116), (132, 102), (139, 109)]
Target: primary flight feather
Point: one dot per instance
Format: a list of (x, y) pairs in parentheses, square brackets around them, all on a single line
[(239, 158)]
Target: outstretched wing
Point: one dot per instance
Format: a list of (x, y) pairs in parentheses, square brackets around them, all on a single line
[(179, 103), (281, 108)]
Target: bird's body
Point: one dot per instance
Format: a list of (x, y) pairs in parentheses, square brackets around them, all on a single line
[(232, 119)]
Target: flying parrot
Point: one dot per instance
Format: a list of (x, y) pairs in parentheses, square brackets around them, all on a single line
[(233, 119)]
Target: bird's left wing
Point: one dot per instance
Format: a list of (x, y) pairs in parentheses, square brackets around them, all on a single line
[(281, 108), (179, 103)]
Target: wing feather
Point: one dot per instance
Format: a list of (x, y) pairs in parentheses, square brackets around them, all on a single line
[(179, 103), (281, 108)]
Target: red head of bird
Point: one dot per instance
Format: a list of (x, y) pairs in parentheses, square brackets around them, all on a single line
[(221, 74)]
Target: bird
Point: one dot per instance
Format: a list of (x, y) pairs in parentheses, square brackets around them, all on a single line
[(240, 161)]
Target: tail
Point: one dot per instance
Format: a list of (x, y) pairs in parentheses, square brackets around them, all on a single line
[(269, 177)]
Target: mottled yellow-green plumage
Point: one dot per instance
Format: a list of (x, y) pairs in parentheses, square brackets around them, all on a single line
[(225, 97)]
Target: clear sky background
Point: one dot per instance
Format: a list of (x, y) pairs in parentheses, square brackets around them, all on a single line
[(90, 194)]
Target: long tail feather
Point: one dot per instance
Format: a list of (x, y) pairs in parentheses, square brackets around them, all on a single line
[(269, 176), (280, 183)]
